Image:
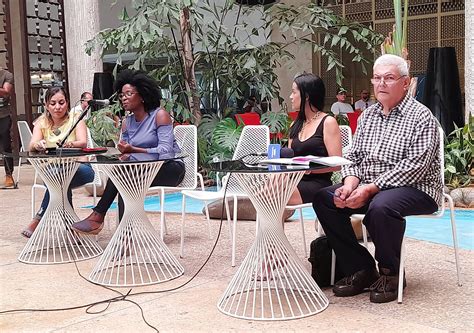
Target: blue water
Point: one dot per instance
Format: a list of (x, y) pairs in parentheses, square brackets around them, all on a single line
[(437, 230)]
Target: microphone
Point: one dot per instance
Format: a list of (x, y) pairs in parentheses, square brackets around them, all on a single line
[(81, 116), (287, 153), (101, 102)]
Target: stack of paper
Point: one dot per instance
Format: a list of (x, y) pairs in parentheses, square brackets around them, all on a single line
[(306, 160)]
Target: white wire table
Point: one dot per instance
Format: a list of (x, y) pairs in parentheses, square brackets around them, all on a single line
[(54, 241), (272, 282), (136, 255)]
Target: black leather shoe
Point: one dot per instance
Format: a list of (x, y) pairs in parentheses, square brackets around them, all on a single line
[(356, 283), (385, 289)]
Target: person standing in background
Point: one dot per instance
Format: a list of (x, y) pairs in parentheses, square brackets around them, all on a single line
[(341, 107), (251, 105), (85, 98), (364, 102), (6, 91)]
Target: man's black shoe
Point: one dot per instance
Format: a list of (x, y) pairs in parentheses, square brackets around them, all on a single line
[(385, 289), (356, 283)]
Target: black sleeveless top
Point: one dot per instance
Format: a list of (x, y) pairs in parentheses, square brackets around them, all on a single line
[(314, 145)]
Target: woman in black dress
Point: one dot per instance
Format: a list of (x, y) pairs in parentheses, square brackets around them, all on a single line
[(312, 133)]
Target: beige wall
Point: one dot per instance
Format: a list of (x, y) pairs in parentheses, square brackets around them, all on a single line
[(82, 23), (286, 73)]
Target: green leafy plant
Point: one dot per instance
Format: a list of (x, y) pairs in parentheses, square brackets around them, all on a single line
[(458, 155), (218, 138), (208, 63), (396, 42), (103, 126), (278, 124)]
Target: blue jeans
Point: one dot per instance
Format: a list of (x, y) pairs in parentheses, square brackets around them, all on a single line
[(83, 175)]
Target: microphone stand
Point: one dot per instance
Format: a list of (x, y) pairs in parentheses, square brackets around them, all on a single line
[(81, 116)]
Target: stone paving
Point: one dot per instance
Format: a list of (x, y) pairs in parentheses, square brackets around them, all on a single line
[(432, 301)]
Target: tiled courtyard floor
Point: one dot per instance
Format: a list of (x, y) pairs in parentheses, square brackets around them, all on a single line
[(432, 300)]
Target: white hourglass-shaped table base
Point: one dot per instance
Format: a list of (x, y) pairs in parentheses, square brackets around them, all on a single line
[(54, 241), (271, 283), (136, 255)]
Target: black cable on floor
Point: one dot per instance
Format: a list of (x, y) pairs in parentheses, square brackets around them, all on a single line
[(123, 297)]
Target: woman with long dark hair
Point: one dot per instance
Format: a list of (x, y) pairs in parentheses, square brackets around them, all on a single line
[(312, 133)]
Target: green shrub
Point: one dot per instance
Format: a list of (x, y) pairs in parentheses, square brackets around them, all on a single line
[(458, 154)]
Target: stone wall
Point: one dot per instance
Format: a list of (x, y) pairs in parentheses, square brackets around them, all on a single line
[(82, 23)]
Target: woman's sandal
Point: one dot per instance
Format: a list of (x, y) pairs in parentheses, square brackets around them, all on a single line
[(30, 229)]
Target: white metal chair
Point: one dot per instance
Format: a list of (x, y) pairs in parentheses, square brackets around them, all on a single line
[(97, 172), (254, 139), (346, 140), (186, 137), (25, 138), (438, 214)]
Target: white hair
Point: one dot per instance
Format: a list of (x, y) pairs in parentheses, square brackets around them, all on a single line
[(393, 60)]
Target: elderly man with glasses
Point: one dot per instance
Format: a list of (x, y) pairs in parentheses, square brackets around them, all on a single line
[(395, 173)]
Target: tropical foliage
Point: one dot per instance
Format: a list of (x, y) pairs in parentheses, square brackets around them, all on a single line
[(396, 41), (458, 156), (103, 125), (211, 52)]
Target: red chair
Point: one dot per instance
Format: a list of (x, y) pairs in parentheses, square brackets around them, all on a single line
[(249, 118), (276, 137), (293, 115), (353, 116)]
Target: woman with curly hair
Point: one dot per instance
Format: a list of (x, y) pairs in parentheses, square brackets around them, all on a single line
[(148, 129)]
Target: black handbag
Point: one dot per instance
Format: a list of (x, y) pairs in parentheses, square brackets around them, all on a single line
[(320, 258)]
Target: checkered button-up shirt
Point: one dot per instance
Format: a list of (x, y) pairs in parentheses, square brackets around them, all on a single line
[(398, 149)]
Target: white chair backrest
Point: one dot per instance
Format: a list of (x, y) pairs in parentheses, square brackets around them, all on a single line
[(25, 134), (441, 152), (186, 137), (441, 169), (90, 141), (346, 137), (253, 139)]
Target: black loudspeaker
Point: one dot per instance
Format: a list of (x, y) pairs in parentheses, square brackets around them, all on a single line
[(103, 85), (442, 93), (420, 87)]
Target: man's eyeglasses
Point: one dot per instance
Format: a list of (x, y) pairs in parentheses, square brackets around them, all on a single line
[(388, 80), (127, 94)]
